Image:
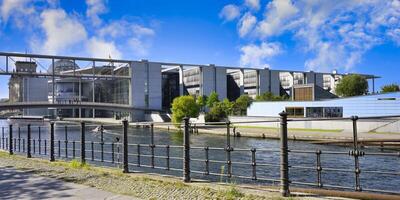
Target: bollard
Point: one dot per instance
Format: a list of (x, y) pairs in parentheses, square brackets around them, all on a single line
[(356, 153), (284, 156), (28, 144), (10, 140), (186, 148), (152, 144), (125, 138), (83, 159), (51, 141)]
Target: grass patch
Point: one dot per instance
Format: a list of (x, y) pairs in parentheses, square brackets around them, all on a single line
[(230, 194), (294, 129), (75, 164)]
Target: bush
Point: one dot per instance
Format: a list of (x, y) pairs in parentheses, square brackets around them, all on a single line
[(184, 106), (269, 96), (242, 103), (216, 113), (390, 88), (201, 101)]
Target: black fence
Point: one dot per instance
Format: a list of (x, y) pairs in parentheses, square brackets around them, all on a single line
[(200, 161)]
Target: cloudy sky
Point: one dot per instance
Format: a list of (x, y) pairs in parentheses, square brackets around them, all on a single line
[(348, 35)]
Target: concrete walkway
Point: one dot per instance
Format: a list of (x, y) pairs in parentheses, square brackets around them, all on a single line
[(16, 184)]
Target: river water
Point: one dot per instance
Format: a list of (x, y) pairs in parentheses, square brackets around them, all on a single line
[(263, 156)]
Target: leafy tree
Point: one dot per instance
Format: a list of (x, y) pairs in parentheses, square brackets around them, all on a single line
[(201, 101), (390, 88), (352, 85), (184, 106), (213, 98), (216, 113), (228, 106), (269, 96), (242, 103)]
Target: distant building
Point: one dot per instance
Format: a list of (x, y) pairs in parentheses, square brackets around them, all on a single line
[(152, 86), (387, 104), (27, 88)]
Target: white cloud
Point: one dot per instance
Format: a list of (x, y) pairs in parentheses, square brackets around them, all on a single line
[(142, 31), (255, 56), (246, 24), (102, 49), (61, 31), (253, 4), (277, 12), (138, 47), (94, 9), (332, 34), (229, 12), (9, 7)]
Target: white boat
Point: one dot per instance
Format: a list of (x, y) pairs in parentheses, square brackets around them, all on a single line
[(25, 120)]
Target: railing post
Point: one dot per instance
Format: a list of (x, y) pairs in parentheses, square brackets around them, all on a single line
[(28, 145), (40, 140), (51, 141), (356, 153), (83, 150), (228, 148), (125, 138), (19, 139), (186, 149), (66, 141), (284, 189), (10, 140), (152, 144), (102, 142), (2, 137)]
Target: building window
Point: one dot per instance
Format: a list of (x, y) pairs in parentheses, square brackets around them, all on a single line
[(326, 112), (295, 111)]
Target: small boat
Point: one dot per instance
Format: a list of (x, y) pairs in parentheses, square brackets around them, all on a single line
[(98, 129), (25, 120)]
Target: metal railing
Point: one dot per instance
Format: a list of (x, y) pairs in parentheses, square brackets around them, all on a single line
[(199, 160)]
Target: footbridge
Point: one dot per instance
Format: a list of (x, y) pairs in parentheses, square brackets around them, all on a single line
[(69, 105)]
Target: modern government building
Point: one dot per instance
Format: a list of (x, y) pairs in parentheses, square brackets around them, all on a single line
[(153, 85)]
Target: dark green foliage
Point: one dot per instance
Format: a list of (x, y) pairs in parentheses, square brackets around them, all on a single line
[(216, 113), (352, 85), (390, 88), (268, 96), (242, 103)]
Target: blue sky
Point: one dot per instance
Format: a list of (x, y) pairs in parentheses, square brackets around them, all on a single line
[(347, 35)]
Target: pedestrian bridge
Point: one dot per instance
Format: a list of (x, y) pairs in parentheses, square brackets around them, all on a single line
[(69, 105)]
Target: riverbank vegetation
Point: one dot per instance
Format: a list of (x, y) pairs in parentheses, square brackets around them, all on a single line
[(214, 109)]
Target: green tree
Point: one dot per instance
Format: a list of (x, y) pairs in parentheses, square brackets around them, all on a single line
[(184, 106), (212, 99), (217, 113), (269, 96), (352, 85), (201, 101), (390, 88), (228, 106), (242, 103)]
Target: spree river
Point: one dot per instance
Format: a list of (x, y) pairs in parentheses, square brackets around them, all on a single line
[(303, 165)]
